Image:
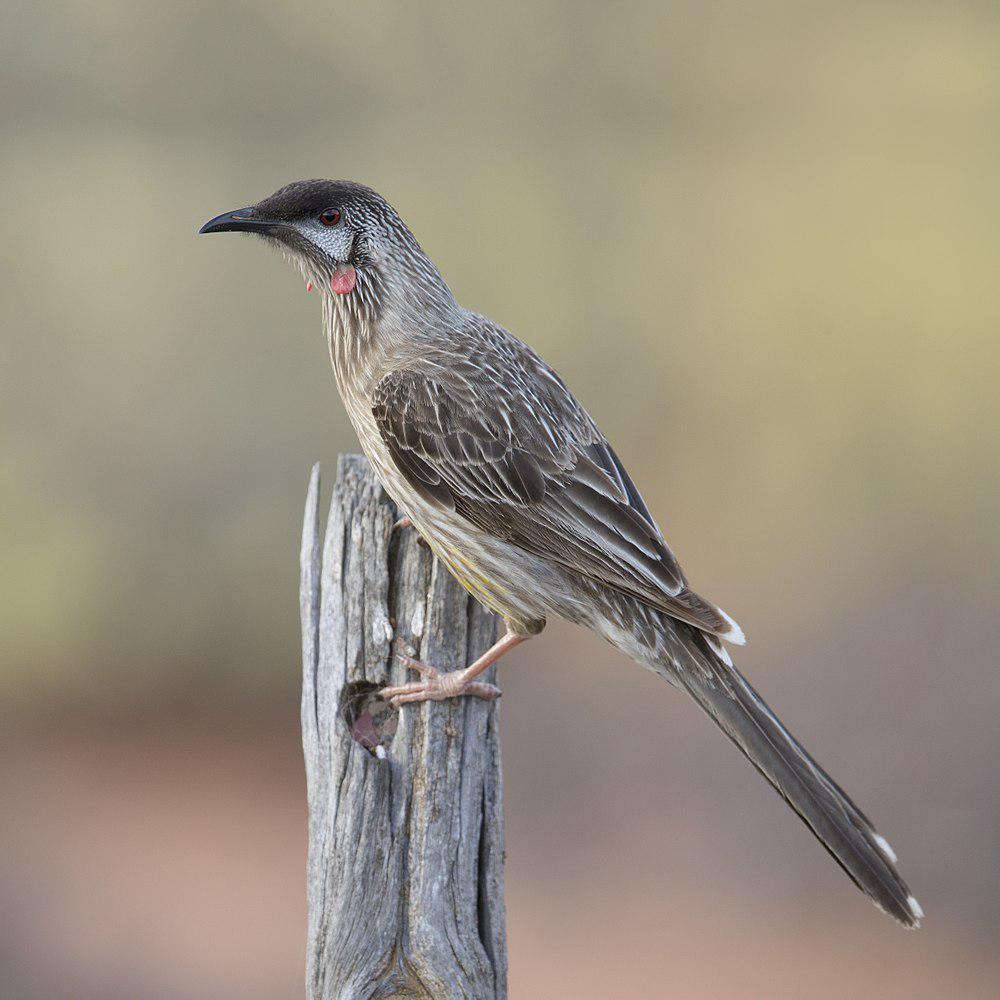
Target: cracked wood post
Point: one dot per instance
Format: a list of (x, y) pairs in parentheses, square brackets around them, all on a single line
[(405, 865)]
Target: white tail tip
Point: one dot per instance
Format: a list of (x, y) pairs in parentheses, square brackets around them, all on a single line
[(886, 848), (735, 634)]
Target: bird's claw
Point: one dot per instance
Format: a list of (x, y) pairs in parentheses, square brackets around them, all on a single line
[(436, 685)]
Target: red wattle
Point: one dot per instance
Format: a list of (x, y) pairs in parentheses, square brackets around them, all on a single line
[(343, 280)]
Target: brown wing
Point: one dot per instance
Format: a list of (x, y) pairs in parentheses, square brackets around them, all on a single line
[(515, 454)]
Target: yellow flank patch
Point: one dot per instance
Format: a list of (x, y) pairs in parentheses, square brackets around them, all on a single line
[(472, 579)]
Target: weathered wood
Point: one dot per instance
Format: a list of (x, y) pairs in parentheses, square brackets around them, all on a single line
[(405, 865)]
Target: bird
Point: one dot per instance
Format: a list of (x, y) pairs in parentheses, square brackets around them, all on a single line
[(509, 480)]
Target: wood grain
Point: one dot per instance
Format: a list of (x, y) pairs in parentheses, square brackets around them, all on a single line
[(405, 867)]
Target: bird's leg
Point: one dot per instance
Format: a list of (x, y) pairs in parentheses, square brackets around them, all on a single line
[(438, 685), (401, 525)]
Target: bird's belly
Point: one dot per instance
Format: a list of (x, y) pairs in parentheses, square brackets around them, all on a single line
[(499, 575), (492, 570), (484, 572)]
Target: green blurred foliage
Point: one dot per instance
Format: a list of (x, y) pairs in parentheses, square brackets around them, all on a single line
[(759, 240)]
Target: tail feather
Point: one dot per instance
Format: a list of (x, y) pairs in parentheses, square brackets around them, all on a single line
[(846, 833)]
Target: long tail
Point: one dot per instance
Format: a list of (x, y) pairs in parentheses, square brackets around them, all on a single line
[(719, 688)]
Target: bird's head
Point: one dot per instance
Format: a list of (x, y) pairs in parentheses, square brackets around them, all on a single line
[(347, 240)]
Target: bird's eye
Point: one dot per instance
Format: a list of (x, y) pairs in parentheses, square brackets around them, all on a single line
[(330, 216)]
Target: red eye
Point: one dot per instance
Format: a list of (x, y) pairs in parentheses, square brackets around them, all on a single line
[(330, 216)]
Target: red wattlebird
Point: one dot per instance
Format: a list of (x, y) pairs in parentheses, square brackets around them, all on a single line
[(518, 492)]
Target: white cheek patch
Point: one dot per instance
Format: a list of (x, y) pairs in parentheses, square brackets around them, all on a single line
[(335, 242)]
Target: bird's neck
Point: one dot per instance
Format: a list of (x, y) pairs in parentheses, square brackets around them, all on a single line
[(386, 319)]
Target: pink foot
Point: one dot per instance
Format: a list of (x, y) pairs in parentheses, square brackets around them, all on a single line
[(437, 686)]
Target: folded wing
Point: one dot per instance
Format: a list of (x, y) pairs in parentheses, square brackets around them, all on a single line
[(520, 458)]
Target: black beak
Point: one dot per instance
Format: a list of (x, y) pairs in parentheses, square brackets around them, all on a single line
[(243, 220)]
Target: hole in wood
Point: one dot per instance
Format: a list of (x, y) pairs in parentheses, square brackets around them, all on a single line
[(370, 719)]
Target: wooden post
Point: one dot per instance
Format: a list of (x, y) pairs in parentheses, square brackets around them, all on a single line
[(405, 865)]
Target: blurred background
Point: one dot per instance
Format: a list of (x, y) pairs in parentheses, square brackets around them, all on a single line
[(758, 240)]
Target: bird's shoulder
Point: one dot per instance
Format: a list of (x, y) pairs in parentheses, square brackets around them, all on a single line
[(481, 372)]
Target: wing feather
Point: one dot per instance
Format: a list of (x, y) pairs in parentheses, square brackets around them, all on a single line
[(519, 458)]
